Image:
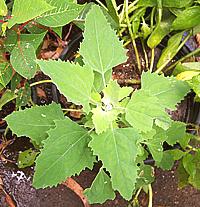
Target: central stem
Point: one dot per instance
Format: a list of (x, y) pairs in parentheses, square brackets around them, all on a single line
[(132, 36)]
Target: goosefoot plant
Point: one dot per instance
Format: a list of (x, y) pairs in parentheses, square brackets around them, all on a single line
[(118, 127)]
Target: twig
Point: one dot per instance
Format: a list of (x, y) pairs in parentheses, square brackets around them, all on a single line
[(150, 196), (40, 82), (9, 200)]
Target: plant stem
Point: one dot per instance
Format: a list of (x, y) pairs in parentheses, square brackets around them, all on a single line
[(121, 15), (100, 3), (72, 110), (121, 31), (135, 199), (133, 4), (145, 54), (126, 43), (40, 82), (131, 10), (152, 59), (115, 7), (183, 58), (150, 196), (131, 34), (104, 80), (123, 25), (6, 131)]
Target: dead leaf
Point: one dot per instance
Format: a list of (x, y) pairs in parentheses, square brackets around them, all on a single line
[(75, 114), (75, 187), (41, 93)]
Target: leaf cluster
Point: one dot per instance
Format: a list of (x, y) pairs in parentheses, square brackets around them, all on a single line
[(118, 126)]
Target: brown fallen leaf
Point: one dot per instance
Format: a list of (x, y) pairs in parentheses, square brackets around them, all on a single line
[(75, 114), (76, 188), (41, 93)]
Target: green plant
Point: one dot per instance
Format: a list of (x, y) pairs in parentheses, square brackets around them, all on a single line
[(118, 126)]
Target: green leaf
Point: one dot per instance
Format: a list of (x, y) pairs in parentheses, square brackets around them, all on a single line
[(143, 109), (101, 189), (5, 73), (195, 84), (65, 153), (15, 81), (34, 28), (3, 8), (146, 176), (186, 71), (34, 122), (191, 164), (112, 10), (103, 119), (166, 3), (170, 51), (192, 65), (98, 81), (177, 154), (23, 60), (137, 15), (34, 39), (168, 90), (149, 103), (117, 150), (182, 176), (58, 31), (101, 48), (74, 81), (185, 140), (155, 143), (161, 30), (167, 161), (63, 13), (113, 93), (82, 16), (25, 10), (6, 97), (23, 96), (26, 158), (176, 132), (192, 14)]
